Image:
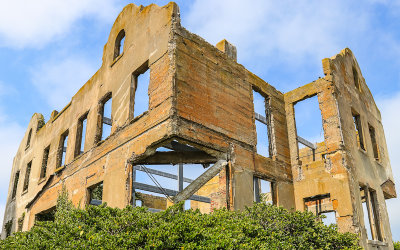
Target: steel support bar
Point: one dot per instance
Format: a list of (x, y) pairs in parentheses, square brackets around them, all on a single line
[(306, 143), (260, 118), (169, 192), (200, 181), (160, 173), (107, 121)]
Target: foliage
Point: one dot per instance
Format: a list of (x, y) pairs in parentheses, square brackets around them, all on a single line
[(396, 245), (262, 226)]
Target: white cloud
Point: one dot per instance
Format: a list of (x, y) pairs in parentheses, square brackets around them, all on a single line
[(35, 23), (389, 110), (58, 80), (293, 29)]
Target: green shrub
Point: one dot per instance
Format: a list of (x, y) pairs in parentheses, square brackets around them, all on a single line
[(396, 245), (259, 227)]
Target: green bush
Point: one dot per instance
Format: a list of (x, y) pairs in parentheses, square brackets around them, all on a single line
[(396, 245), (259, 227)]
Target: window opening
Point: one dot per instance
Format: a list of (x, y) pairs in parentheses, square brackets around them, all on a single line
[(81, 135), (263, 191), (261, 110), (21, 222), (359, 131), (47, 215), (371, 219), (62, 149), (356, 79), (373, 141), (28, 141), (106, 117), (321, 205), (141, 80), (16, 179), (27, 175), (8, 227), (309, 129), (43, 170), (119, 44), (96, 194)]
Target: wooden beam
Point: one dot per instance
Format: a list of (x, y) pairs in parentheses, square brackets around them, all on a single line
[(172, 157), (200, 181)]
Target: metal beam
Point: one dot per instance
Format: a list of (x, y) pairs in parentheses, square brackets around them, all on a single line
[(200, 181), (169, 192), (160, 173), (107, 121), (261, 118), (172, 157), (306, 143)]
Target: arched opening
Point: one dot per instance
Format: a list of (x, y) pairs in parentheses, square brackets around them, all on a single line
[(119, 44)]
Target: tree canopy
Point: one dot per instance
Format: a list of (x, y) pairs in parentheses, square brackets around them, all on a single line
[(261, 226)]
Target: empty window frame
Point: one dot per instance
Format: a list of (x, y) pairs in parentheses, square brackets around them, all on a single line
[(263, 191), (45, 160), (309, 128), (261, 113), (62, 149), (321, 205), (28, 141), (140, 83), (375, 147), (47, 215), (119, 44), (8, 227), (16, 179), (27, 176), (80, 135), (356, 78), (370, 210), (105, 115), (358, 130), (96, 194)]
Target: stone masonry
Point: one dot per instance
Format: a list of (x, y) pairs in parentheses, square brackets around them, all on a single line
[(201, 111)]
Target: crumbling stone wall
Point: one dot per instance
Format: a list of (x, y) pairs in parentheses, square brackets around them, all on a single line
[(201, 109)]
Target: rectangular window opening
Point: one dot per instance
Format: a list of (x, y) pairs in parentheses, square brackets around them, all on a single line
[(321, 205), (80, 135), (106, 117), (261, 110), (141, 81), (96, 194), (16, 179), (375, 147), (309, 129), (371, 217), (27, 176), (43, 170), (358, 130), (47, 215), (263, 191), (62, 149), (8, 227)]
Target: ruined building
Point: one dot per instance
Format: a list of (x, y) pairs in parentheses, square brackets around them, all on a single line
[(198, 132)]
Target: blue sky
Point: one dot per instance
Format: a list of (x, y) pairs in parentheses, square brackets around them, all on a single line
[(48, 49)]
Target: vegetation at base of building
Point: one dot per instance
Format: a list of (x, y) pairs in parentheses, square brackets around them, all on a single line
[(259, 227), (396, 245)]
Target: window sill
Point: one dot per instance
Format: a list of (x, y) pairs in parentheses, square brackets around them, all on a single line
[(116, 59), (363, 151), (27, 147), (377, 243), (41, 180), (59, 169), (24, 192)]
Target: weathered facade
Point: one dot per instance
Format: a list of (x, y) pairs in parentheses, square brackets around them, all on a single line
[(201, 111)]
